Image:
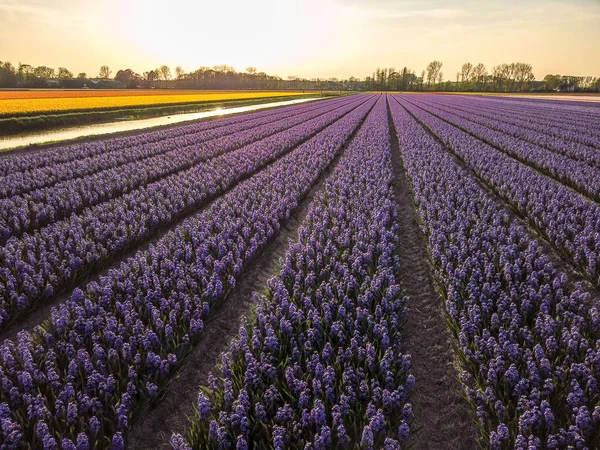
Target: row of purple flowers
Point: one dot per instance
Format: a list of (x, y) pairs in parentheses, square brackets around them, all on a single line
[(550, 136), (64, 154), (579, 123), (566, 218), (579, 175)]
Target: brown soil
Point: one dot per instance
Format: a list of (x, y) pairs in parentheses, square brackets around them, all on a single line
[(442, 419)]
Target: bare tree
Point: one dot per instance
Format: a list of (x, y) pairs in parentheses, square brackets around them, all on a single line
[(151, 77), (393, 80), (179, 72), (465, 71), (512, 75), (478, 75), (251, 70), (523, 75), (433, 71), (405, 77), (294, 80), (104, 72), (165, 72)]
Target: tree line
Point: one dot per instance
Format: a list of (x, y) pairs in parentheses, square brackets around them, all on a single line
[(216, 77), (507, 77)]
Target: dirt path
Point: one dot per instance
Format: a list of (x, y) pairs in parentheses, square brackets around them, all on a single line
[(154, 426), (442, 419)]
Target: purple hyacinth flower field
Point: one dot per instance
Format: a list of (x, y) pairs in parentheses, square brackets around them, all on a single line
[(370, 271)]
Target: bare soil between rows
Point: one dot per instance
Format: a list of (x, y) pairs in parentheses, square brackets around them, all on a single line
[(442, 418)]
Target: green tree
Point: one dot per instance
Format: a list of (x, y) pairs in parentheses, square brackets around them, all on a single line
[(8, 75), (64, 74), (44, 73)]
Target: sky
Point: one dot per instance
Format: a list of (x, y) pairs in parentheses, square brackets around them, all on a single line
[(306, 38)]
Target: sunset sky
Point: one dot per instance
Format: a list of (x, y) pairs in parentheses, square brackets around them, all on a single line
[(311, 38)]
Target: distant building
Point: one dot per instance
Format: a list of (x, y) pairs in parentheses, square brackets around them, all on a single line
[(565, 88), (99, 83)]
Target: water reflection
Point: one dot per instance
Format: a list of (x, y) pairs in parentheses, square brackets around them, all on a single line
[(65, 134)]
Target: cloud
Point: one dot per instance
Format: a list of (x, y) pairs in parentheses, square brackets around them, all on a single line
[(19, 11), (431, 13)]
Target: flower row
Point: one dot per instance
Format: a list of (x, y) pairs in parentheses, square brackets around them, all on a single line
[(63, 154), (579, 123), (35, 209), (552, 138), (578, 174)]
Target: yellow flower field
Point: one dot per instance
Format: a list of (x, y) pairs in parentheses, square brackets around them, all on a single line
[(82, 100)]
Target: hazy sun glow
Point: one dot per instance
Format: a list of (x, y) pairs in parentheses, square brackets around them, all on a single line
[(308, 38)]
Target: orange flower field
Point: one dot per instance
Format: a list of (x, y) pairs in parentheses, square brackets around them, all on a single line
[(44, 101)]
